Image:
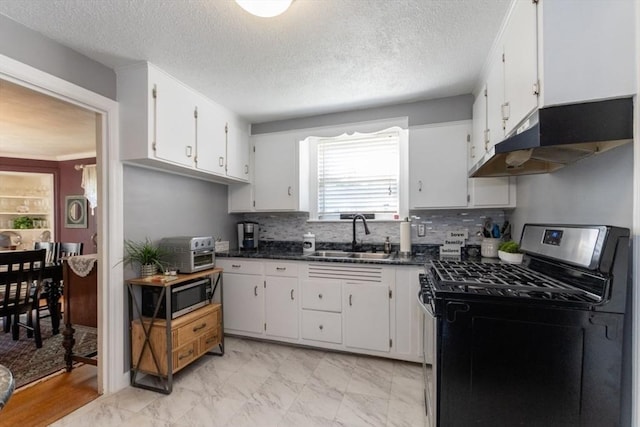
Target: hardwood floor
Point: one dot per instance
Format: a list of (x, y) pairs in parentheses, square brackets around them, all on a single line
[(52, 399)]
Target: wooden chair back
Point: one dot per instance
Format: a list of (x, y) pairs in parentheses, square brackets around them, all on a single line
[(20, 284), (52, 248), (69, 249)]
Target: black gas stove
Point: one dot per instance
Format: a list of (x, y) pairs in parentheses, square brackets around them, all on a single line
[(532, 344)]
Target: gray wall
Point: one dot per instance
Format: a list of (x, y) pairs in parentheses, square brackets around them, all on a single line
[(419, 113), (32, 48), (159, 204), (597, 190)]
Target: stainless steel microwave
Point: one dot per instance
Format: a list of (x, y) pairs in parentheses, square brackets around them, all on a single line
[(185, 297)]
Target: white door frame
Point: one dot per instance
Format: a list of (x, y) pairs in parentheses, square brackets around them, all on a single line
[(111, 336)]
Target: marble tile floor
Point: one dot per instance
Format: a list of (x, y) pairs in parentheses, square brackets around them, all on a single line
[(266, 384)]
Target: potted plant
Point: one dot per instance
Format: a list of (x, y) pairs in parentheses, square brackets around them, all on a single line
[(509, 251), (148, 255)]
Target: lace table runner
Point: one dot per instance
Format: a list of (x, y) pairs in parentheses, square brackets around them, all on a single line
[(82, 264)]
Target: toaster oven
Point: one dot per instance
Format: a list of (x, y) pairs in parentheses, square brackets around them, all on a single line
[(188, 254)]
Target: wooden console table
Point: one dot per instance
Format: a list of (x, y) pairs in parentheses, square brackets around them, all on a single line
[(160, 347), (80, 307)]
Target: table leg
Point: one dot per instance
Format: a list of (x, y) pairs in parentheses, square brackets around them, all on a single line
[(53, 302)]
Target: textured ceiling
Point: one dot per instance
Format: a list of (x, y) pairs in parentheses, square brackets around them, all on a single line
[(320, 56)]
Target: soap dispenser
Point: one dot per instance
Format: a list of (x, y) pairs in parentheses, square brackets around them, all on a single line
[(387, 246)]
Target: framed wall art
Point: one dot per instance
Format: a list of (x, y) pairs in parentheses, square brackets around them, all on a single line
[(75, 212)]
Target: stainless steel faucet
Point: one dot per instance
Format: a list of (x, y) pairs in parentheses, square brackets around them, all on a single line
[(354, 243)]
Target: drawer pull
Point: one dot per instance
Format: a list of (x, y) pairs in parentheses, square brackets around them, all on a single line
[(197, 328), (235, 266), (184, 356), (291, 294), (320, 296), (281, 268), (321, 327), (255, 291), (350, 296)]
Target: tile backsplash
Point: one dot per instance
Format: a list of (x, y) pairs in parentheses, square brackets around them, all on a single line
[(291, 226)]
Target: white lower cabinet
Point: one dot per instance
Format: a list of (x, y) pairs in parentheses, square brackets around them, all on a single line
[(243, 303), (360, 308), (322, 326), (281, 300), (243, 295), (366, 316)]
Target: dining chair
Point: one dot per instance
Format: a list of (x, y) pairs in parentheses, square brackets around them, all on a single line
[(52, 256), (52, 249), (20, 284), (67, 249)]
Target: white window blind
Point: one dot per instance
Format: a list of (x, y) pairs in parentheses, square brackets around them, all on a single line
[(358, 174)]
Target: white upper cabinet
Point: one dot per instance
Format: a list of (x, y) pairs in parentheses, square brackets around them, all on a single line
[(437, 165), (166, 125), (238, 150), (558, 52), (479, 129), (211, 138), (280, 176), (520, 64)]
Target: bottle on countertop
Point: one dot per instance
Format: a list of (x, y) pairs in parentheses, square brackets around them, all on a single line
[(309, 243), (387, 246)]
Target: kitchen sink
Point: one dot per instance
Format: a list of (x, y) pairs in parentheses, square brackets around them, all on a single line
[(350, 255), (368, 255)]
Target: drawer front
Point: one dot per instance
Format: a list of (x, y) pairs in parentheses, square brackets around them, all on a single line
[(196, 328), (322, 326), (239, 265), (184, 355), (322, 295), (284, 269), (209, 340)]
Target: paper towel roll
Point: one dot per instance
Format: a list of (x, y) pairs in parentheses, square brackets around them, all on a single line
[(405, 237)]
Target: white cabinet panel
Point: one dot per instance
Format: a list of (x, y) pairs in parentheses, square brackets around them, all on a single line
[(322, 326), (211, 138), (366, 316), (520, 64), (492, 192), (276, 183), (479, 128), (243, 303), (240, 265), (322, 295), (437, 165), (173, 119), (281, 306), (238, 149), (495, 101), (408, 325)]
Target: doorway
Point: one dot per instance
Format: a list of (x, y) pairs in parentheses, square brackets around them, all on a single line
[(111, 372)]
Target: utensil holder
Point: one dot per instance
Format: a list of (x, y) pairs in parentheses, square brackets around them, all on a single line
[(489, 247)]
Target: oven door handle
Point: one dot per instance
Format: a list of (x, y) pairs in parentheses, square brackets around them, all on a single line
[(453, 308)]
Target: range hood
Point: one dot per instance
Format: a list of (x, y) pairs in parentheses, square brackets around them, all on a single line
[(553, 137)]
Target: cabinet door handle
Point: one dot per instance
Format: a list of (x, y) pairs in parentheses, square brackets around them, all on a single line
[(221, 161), (473, 152), (289, 190), (189, 151), (505, 111), (281, 268), (321, 327), (246, 169), (185, 355), (419, 185), (291, 294), (197, 328), (235, 265), (255, 291), (350, 297), (320, 296)]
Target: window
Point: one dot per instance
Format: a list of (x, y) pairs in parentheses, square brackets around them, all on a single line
[(358, 173)]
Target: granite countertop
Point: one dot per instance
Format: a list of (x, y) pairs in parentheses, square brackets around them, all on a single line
[(293, 251), (7, 385)]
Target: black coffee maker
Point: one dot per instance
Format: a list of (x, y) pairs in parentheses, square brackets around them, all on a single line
[(248, 235)]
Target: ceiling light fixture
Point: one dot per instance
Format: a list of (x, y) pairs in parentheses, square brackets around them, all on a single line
[(265, 8)]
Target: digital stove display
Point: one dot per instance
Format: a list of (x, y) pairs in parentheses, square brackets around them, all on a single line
[(552, 237)]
